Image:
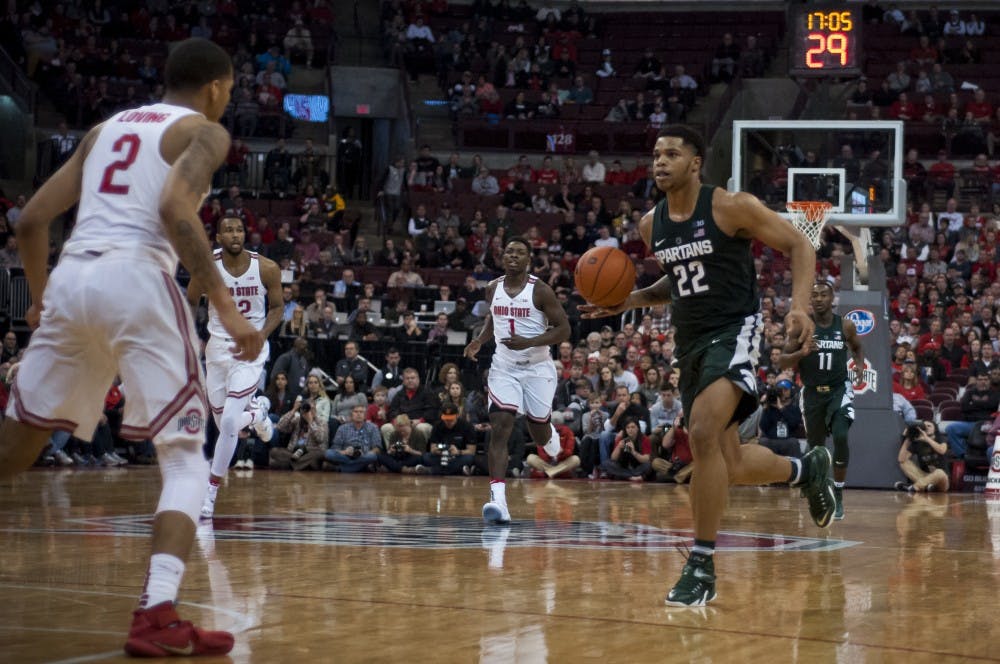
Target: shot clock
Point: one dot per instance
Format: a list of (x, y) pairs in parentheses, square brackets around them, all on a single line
[(826, 41)]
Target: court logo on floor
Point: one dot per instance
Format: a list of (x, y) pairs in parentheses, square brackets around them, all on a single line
[(447, 532)]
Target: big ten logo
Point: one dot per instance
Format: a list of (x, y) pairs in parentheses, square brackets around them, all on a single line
[(869, 378), (864, 320), (560, 141)]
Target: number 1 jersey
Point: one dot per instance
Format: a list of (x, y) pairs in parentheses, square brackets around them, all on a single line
[(123, 178), (517, 314), (713, 283)]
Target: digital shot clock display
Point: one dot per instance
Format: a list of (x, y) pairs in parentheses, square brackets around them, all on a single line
[(826, 41)]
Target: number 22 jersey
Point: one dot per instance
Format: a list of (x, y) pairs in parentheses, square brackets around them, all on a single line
[(713, 283)]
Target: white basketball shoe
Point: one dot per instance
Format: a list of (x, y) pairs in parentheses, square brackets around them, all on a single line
[(261, 406), (554, 446)]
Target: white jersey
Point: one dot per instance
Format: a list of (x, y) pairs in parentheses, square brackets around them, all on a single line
[(518, 315), (247, 290), (123, 177)]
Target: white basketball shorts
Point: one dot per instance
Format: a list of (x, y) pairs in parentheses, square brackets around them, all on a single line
[(524, 389), (229, 378), (108, 314)]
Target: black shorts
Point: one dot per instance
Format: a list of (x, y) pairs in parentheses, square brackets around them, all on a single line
[(729, 353), (821, 405)]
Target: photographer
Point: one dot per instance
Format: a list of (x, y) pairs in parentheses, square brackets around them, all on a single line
[(674, 461), (405, 449), (631, 458), (922, 459), (781, 422), (355, 446), (452, 444), (308, 439)]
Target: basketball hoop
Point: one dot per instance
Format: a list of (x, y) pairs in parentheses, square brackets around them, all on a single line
[(810, 217)]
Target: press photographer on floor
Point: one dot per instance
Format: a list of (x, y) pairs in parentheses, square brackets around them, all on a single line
[(922, 459)]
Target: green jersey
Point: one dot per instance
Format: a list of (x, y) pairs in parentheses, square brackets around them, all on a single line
[(713, 283), (827, 365)]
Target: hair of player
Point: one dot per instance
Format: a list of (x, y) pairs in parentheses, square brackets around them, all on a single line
[(519, 239), (195, 62), (233, 217), (688, 136)]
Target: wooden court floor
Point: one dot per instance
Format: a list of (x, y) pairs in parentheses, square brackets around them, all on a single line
[(310, 567)]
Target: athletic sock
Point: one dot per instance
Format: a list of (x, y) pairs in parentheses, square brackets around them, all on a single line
[(838, 485), (797, 468), (162, 580), (704, 548), (498, 491)]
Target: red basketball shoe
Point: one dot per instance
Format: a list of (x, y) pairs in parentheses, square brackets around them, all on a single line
[(159, 632)]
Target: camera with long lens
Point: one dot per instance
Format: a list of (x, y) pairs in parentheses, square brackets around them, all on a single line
[(913, 432), (398, 448), (445, 453)]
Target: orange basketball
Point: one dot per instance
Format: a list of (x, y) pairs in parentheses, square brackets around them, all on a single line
[(605, 276)]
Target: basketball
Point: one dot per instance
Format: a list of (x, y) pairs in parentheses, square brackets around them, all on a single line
[(605, 276)]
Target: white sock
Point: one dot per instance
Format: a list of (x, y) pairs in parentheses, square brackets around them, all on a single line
[(498, 492), (839, 485), (162, 580), (213, 491)]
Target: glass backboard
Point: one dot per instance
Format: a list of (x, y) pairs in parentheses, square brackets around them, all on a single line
[(856, 166)]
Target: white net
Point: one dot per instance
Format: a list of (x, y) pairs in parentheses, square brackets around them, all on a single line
[(810, 217)]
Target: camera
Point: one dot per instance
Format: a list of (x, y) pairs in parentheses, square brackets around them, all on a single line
[(305, 407), (445, 453), (398, 448), (913, 432)]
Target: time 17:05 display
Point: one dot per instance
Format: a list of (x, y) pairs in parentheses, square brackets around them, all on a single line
[(826, 42)]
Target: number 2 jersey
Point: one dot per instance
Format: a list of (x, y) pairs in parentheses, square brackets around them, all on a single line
[(123, 177), (713, 283), (248, 292), (517, 314)]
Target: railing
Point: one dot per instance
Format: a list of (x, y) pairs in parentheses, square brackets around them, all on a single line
[(20, 86)]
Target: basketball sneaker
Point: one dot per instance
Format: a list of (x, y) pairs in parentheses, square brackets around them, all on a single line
[(838, 512), (262, 423), (696, 587), (495, 512), (208, 505), (159, 632), (553, 447), (818, 487)]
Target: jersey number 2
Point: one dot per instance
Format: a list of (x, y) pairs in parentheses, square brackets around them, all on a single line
[(244, 306), (129, 144)]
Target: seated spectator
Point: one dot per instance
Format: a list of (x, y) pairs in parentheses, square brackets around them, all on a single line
[(420, 404), (579, 93), (485, 184), (923, 54), (405, 448), (606, 69), (325, 327), (979, 107), (903, 108), (356, 446), (451, 444), (941, 175), (516, 198), (631, 457), (619, 112), (752, 59), (648, 65), (727, 55), (593, 170), (308, 439), (684, 86), (909, 385), (899, 80), (405, 277), (296, 326), (519, 108), (563, 464), (922, 459), (979, 403), (672, 461), (781, 422)]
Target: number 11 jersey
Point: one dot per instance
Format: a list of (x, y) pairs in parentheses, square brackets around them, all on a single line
[(713, 283)]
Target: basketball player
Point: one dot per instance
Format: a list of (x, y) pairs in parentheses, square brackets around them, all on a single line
[(827, 398), (525, 318), (111, 306), (701, 236), (255, 284)]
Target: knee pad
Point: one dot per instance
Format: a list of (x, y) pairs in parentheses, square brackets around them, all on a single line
[(184, 472)]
